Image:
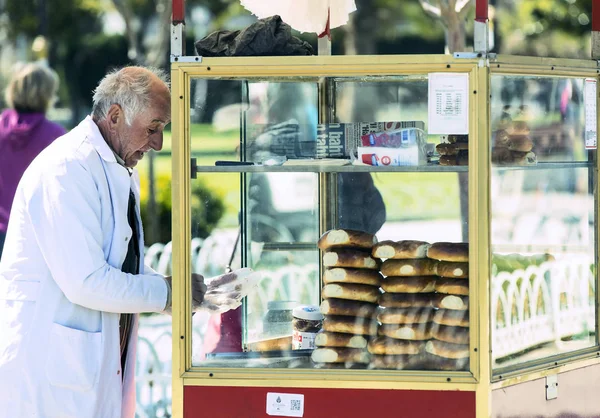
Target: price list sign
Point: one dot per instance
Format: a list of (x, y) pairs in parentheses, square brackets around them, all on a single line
[(448, 103), (591, 129)]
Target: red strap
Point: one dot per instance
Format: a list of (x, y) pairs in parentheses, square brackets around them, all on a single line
[(596, 15), (481, 11), (178, 12), (327, 31)]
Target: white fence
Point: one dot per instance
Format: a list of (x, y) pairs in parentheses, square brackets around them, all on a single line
[(539, 305)]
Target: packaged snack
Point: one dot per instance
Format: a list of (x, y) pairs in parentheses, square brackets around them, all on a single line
[(392, 139)]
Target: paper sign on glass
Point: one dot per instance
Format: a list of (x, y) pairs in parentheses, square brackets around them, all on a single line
[(591, 130), (285, 404), (448, 104)]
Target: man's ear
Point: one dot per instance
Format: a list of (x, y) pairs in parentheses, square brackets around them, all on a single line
[(114, 116)]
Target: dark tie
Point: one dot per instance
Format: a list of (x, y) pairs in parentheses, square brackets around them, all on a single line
[(130, 265)]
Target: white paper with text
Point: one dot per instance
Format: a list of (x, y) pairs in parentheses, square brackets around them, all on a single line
[(591, 129), (448, 104)]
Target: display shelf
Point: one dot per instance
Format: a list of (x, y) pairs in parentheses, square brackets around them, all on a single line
[(329, 169), (430, 168), (290, 246), (546, 166)]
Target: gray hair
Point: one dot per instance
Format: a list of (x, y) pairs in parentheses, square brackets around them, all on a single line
[(130, 91), (32, 88)]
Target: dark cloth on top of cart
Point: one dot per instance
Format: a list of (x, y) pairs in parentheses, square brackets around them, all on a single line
[(266, 37)]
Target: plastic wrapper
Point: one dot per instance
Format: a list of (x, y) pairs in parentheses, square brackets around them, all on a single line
[(225, 292), (382, 156), (398, 147), (304, 16), (392, 139)]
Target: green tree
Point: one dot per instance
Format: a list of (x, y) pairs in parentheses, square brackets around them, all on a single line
[(206, 206), (147, 29), (453, 15), (559, 28), (78, 50)]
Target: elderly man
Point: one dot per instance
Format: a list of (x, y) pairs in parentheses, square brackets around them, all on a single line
[(72, 278)]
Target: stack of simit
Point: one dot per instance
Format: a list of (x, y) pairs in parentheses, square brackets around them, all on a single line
[(449, 347), (455, 151), (407, 313), (351, 289)]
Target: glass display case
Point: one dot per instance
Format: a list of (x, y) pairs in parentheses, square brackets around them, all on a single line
[(418, 222)]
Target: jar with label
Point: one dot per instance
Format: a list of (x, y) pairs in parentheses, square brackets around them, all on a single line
[(308, 321), (278, 319)]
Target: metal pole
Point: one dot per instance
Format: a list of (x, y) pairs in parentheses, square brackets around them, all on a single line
[(324, 40), (481, 27), (178, 326), (327, 181), (178, 29)]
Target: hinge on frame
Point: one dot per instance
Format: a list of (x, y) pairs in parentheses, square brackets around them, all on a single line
[(185, 58), (473, 55), (178, 45)]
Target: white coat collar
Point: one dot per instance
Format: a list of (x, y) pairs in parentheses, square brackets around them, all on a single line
[(97, 140)]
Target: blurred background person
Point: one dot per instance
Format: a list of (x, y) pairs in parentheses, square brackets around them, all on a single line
[(24, 129)]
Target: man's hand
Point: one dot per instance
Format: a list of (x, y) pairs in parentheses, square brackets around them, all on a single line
[(223, 293), (198, 290)]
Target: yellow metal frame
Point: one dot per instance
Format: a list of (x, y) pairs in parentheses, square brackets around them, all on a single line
[(480, 70), (553, 67)]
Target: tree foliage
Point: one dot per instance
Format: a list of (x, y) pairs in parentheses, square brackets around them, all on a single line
[(147, 27), (453, 16), (559, 28), (59, 20), (78, 49)]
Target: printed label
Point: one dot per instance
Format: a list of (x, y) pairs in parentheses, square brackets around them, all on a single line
[(303, 340), (448, 103), (285, 404), (590, 113)]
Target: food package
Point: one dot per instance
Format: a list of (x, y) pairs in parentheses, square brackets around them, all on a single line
[(393, 157), (225, 292), (399, 147), (392, 139), (341, 140)]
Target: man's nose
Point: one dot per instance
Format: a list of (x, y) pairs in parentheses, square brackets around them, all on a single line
[(157, 142)]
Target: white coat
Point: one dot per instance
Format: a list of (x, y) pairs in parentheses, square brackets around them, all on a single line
[(62, 289)]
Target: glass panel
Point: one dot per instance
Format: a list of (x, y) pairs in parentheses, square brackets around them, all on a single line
[(270, 221), (543, 223)]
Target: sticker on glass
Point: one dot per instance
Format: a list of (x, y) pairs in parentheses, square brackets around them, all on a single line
[(590, 114)]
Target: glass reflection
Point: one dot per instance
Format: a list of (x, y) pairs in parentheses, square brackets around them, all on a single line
[(270, 222), (543, 235)]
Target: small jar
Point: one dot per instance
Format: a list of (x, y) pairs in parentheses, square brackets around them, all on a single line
[(278, 319), (308, 321)]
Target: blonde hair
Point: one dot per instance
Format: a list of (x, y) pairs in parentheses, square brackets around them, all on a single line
[(32, 88)]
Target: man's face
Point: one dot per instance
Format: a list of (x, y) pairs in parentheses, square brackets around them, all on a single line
[(146, 130)]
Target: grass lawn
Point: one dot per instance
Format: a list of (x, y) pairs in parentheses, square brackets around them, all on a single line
[(406, 195)]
